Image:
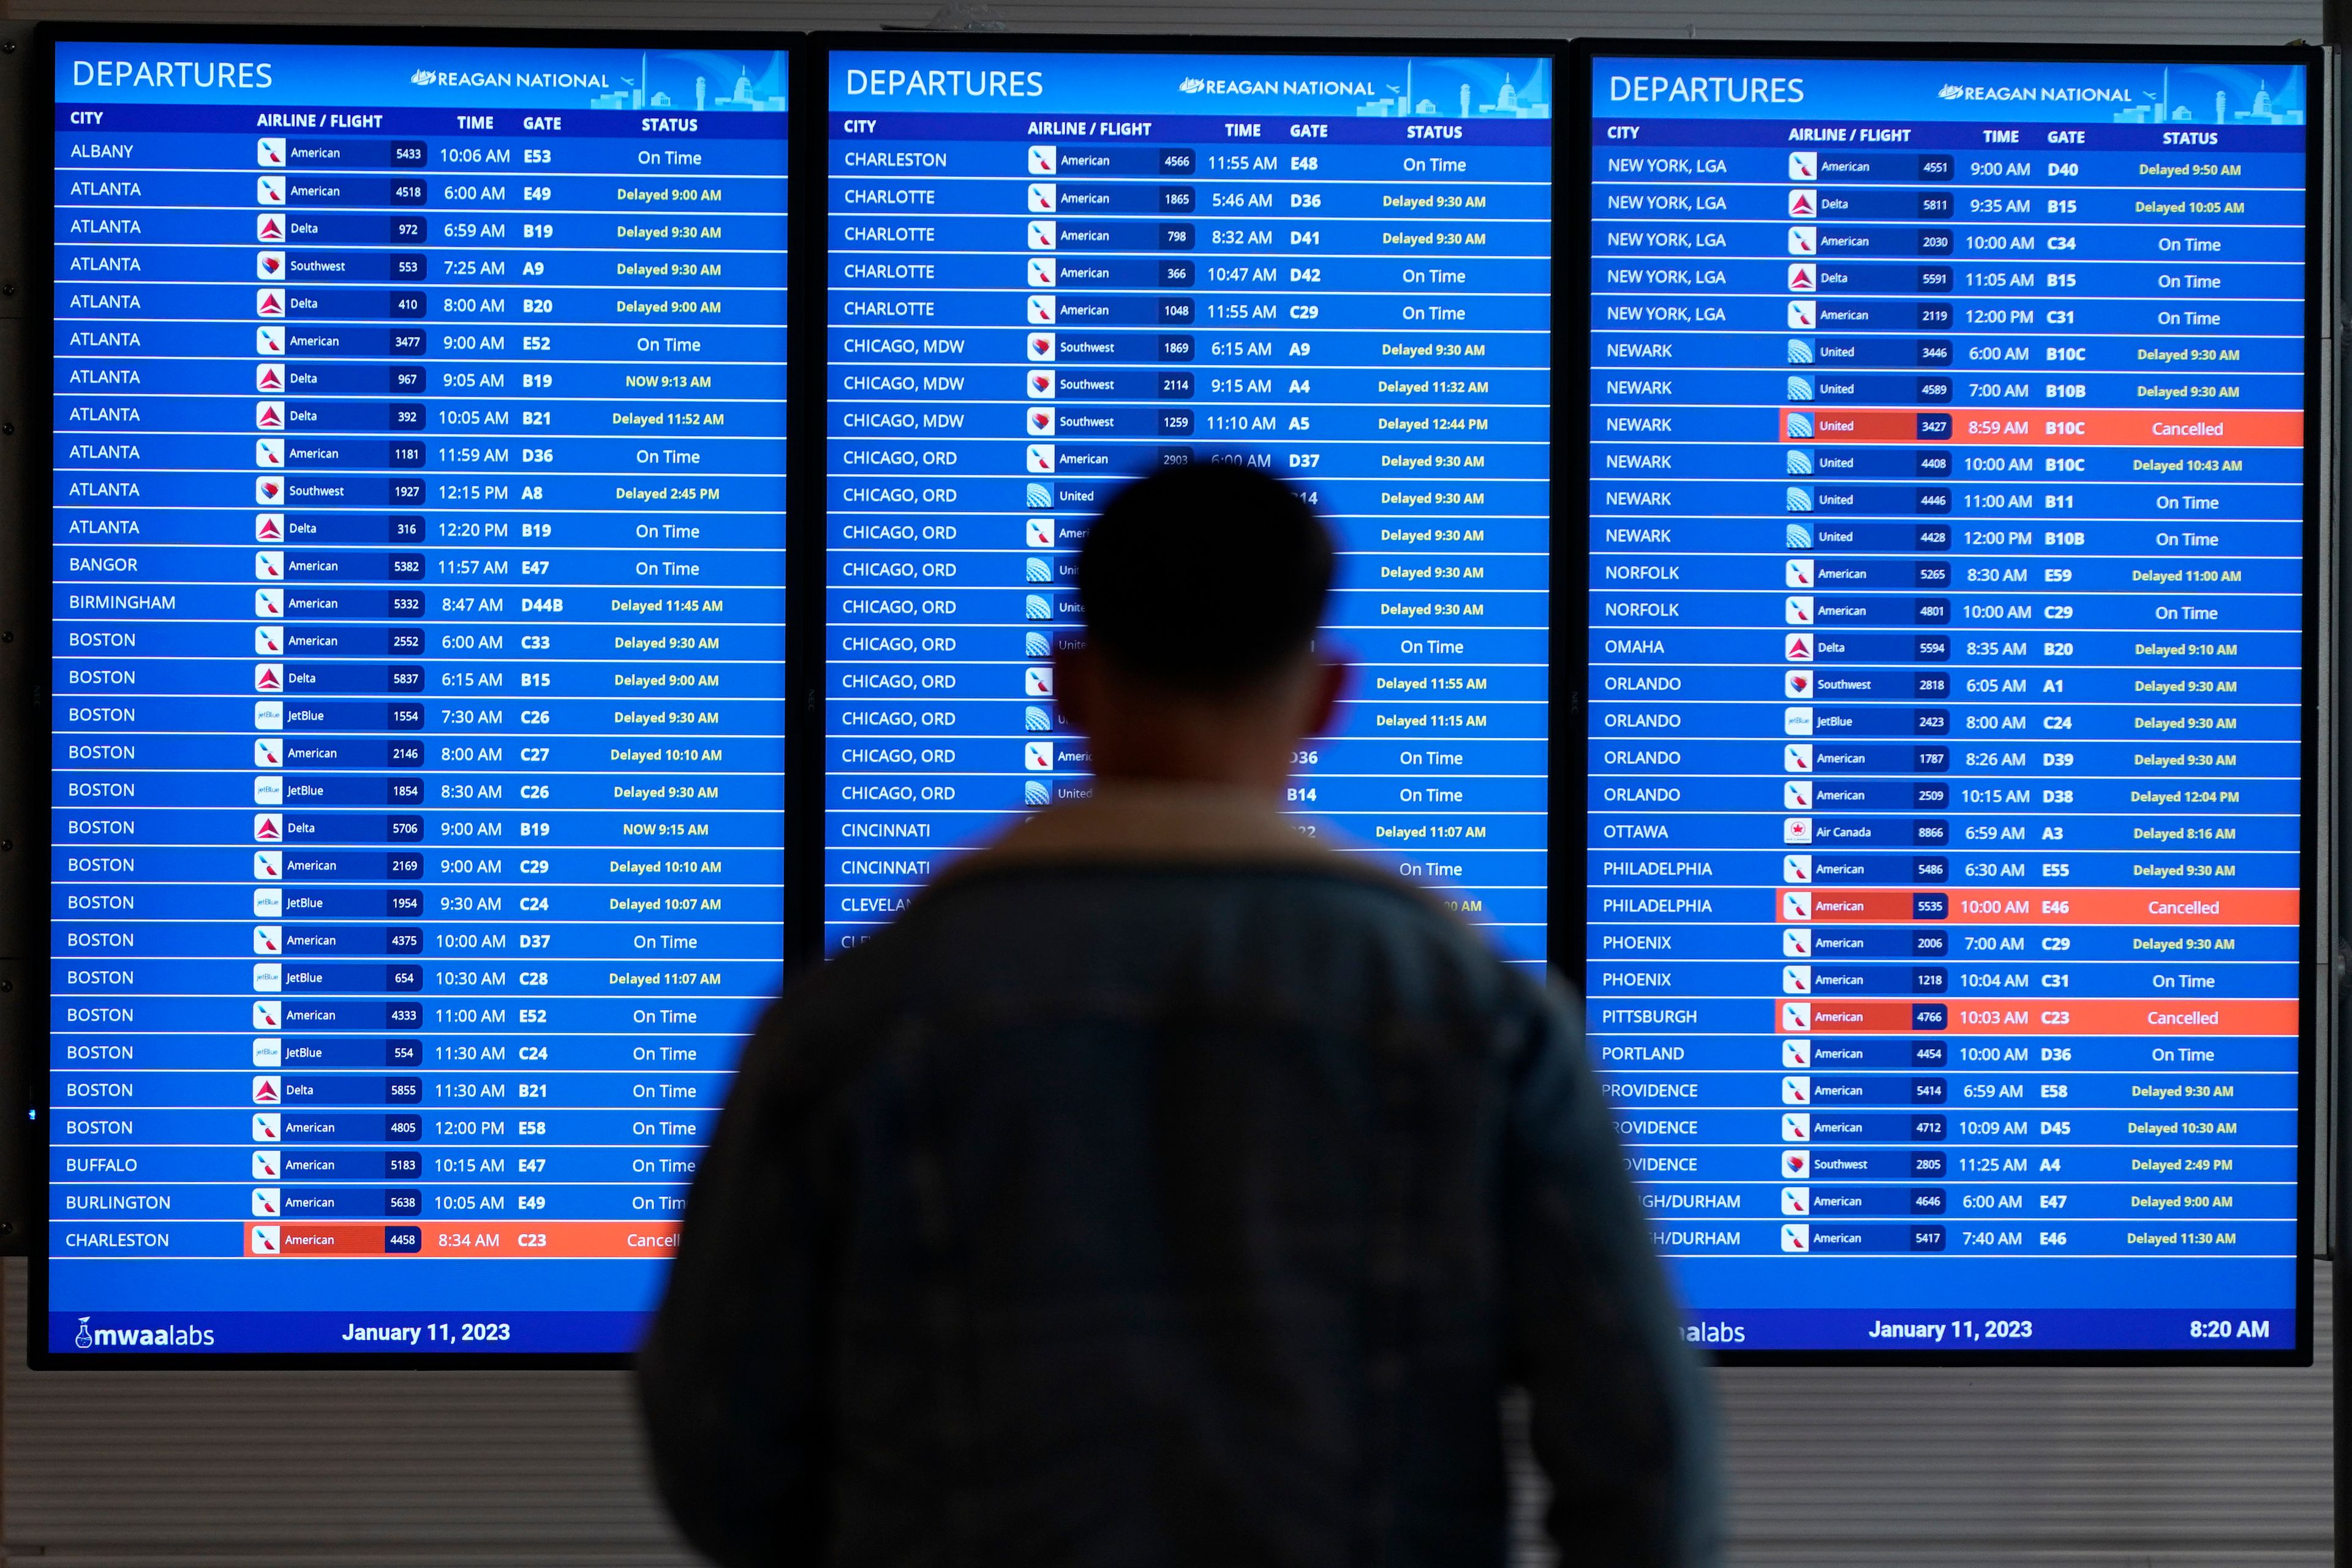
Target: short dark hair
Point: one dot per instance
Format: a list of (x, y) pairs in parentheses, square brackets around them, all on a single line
[(1205, 578)]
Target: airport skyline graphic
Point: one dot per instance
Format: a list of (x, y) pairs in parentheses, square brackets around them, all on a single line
[(754, 85)]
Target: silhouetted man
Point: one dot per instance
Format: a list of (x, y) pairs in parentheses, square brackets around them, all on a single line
[(1164, 1186)]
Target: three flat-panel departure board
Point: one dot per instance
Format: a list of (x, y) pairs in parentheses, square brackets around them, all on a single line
[(1948, 846), (420, 695), (1050, 271), (418, 689)]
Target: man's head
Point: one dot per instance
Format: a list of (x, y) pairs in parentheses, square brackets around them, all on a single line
[(1202, 587)]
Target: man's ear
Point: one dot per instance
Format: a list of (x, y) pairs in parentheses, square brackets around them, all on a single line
[(1330, 685), (1077, 680)]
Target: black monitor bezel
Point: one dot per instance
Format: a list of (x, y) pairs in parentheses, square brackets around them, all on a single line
[(1578, 94), (36, 560), (806, 53), (817, 59)]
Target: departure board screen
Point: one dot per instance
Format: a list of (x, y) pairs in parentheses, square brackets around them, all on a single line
[(418, 689), (1052, 270), (1950, 489)]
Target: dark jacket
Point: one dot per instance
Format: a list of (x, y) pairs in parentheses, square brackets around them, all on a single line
[(1164, 1188)]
